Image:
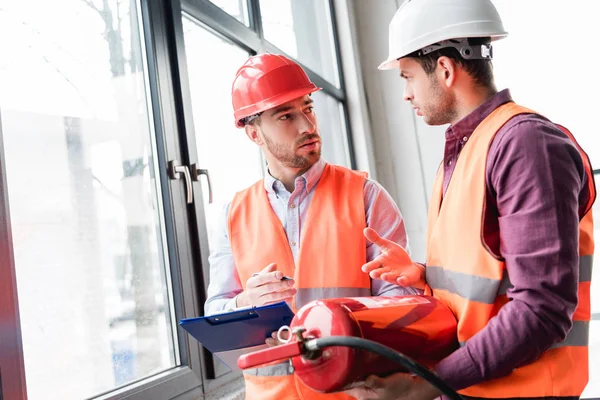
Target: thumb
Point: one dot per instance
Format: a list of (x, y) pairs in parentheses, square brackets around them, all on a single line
[(269, 268), (374, 382), (373, 237)]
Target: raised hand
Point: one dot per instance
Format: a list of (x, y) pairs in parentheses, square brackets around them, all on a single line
[(394, 264)]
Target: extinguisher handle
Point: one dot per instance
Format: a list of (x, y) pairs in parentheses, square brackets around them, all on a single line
[(271, 354)]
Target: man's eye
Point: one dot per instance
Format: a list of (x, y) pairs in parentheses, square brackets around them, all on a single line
[(309, 110), (284, 117)]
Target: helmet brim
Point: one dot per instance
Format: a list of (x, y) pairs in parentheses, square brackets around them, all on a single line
[(273, 102)]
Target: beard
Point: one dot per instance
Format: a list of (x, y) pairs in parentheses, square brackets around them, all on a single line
[(289, 158), (441, 108)]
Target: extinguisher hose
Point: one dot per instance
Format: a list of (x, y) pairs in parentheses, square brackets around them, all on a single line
[(384, 351)]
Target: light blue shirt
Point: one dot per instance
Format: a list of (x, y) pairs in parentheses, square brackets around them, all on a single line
[(291, 209)]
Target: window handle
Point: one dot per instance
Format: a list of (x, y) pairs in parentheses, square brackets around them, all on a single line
[(196, 172), (176, 171)]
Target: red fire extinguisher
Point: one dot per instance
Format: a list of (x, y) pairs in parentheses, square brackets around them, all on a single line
[(419, 327)]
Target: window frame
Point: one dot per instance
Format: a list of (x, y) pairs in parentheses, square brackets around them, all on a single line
[(186, 380)]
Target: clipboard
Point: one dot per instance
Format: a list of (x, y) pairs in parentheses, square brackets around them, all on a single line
[(232, 334)]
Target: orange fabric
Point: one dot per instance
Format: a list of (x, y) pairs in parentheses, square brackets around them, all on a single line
[(333, 248), (306, 393), (558, 372), (278, 388), (586, 233), (561, 371), (270, 387)]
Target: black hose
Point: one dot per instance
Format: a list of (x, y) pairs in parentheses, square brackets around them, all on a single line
[(384, 351)]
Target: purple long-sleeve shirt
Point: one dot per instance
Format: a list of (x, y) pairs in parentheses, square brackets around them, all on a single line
[(536, 191)]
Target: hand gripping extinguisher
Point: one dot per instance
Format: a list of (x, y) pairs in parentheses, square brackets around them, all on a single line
[(336, 343)]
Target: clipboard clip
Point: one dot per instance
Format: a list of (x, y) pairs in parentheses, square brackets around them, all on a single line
[(241, 315)]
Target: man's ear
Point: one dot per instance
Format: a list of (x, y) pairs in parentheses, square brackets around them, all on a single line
[(252, 133), (446, 71)]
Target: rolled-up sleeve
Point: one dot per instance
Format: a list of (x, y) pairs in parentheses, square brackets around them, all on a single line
[(535, 177), (224, 281)]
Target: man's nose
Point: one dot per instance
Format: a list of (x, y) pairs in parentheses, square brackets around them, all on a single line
[(408, 94), (308, 125)]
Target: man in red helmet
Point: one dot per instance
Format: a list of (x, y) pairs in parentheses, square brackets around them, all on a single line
[(304, 220)]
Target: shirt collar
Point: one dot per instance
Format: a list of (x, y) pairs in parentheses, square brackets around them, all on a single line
[(311, 177), (466, 126)]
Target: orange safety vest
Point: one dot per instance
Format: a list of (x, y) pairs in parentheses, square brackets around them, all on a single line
[(473, 282), (332, 251)]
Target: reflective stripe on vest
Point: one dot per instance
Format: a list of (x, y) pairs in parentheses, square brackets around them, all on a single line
[(304, 296), (577, 336), (332, 251), (463, 274), (485, 290), (281, 369)]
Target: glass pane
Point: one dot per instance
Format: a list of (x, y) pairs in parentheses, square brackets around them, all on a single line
[(238, 9), (84, 200), (234, 162), (593, 388), (303, 30), (332, 129), (566, 98)]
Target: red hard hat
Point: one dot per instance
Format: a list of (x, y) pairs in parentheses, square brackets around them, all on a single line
[(266, 81)]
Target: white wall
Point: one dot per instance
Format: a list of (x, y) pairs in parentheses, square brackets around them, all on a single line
[(407, 152)]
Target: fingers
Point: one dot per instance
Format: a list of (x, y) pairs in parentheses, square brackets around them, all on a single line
[(274, 340), (374, 382), (406, 280), (277, 296), (284, 334), (359, 393), (411, 276), (269, 268), (376, 274), (373, 265), (391, 276), (373, 237), (276, 286), (267, 275)]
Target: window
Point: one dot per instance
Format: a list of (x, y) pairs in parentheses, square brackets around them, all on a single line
[(233, 161), (560, 91), (332, 127), (87, 220), (102, 247), (303, 29), (238, 9)]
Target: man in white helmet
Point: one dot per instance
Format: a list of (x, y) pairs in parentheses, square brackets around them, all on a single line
[(510, 227)]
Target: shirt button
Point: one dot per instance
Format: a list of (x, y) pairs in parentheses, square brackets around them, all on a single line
[(465, 139), (293, 243), (449, 162), (292, 205)]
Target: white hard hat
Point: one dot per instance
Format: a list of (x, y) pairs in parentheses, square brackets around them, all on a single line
[(419, 24)]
